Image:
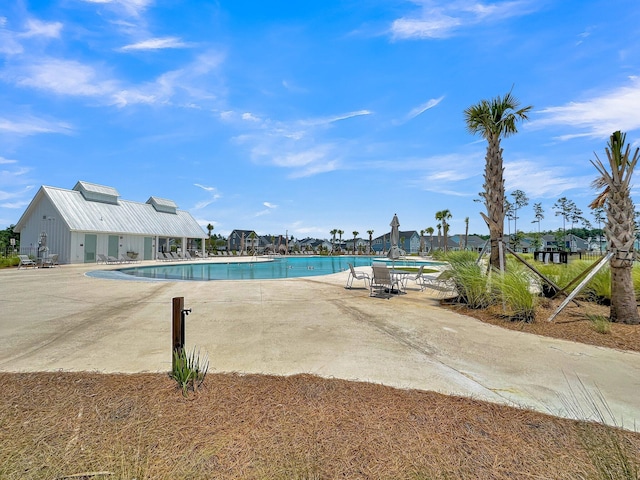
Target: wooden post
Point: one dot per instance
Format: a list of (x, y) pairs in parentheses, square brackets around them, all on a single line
[(178, 328)]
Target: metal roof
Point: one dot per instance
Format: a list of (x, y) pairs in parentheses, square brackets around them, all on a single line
[(122, 218), (95, 188)]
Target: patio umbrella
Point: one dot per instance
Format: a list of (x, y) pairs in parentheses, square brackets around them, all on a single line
[(394, 251)]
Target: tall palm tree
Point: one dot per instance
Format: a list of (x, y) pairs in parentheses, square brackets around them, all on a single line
[(443, 216), (466, 232), (493, 120), (439, 227), (340, 232), (620, 226), (421, 241), (210, 228), (370, 232), (252, 237), (333, 241), (355, 234), (430, 231)]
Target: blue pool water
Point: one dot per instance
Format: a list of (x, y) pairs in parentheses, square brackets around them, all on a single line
[(280, 267)]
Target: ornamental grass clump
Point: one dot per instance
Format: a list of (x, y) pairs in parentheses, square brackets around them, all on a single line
[(189, 369), (514, 289), (471, 283), (600, 323)]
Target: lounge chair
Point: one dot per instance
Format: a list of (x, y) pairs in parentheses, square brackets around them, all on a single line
[(25, 262), (111, 259), (175, 256), (50, 261), (414, 278), (124, 258), (357, 275), (441, 283), (382, 283), (101, 258)]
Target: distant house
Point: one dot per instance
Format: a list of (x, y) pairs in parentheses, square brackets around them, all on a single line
[(409, 242), (567, 242), (243, 240), (92, 219)]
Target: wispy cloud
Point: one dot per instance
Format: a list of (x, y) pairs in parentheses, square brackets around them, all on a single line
[(64, 77), (36, 28), (441, 19), (542, 182), (266, 211), (420, 109), (596, 117), (130, 7), (5, 161), (156, 44), (72, 78), (32, 126), (213, 196), (334, 118)]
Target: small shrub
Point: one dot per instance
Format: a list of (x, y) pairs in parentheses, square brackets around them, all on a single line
[(189, 370)]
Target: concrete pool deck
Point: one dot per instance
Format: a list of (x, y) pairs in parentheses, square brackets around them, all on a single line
[(61, 319)]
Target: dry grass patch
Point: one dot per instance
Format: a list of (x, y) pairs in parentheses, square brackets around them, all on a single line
[(53, 425)]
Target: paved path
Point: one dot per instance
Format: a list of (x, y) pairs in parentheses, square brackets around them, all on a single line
[(62, 319)]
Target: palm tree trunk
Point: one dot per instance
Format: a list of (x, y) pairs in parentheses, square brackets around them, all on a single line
[(624, 308), (494, 196)]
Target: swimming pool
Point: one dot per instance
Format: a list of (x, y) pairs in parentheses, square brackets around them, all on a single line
[(280, 267)]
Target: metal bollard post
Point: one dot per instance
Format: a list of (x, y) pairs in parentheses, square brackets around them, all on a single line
[(178, 327)]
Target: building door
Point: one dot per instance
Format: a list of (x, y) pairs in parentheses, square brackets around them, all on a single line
[(148, 248), (90, 243), (113, 246)]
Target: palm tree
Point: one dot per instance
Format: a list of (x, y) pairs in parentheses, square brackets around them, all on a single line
[(495, 119), (333, 241), (620, 226), (439, 227), (370, 232), (355, 234), (443, 216), (340, 232), (253, 237), (466, 232), (430, 230), (210, 228), (421, 240)]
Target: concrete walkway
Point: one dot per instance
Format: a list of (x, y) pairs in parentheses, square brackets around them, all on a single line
[(59, 318)]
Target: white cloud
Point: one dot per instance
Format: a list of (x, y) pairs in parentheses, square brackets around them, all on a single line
[(4, 161), (213, 196), (250, 117), (539, 181), (269, 205), (441, 19), (64, 77), (130, 7), (156, 44), (424, 107), (596, 117), (36, 28), (31, 126), (72, 78), (335, 118)]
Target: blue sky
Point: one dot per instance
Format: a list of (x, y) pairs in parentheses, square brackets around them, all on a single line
[(302, 117)]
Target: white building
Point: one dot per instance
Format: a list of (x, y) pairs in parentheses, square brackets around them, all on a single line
[(91, 219)]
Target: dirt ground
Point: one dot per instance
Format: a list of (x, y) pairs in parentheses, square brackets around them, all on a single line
[(90, 425), (572, 323)]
